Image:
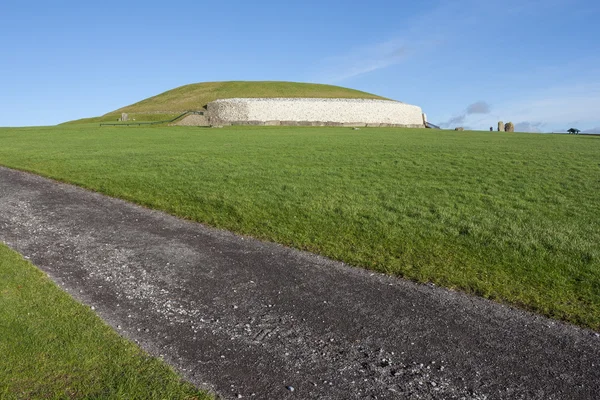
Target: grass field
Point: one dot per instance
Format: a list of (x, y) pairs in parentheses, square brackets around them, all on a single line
[(197, 95), (512, 217), (55, 348)]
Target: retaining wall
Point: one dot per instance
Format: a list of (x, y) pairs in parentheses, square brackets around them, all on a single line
[(314, 112)]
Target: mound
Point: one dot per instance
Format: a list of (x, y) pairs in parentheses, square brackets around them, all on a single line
[(198, 95)]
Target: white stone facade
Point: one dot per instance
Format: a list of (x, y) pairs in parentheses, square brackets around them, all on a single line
[(309, 111)]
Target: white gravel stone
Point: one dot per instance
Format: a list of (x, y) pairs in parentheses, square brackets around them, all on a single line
[(286, 111)]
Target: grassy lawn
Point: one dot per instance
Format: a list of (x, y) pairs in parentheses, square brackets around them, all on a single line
[(512, 217), (53, 347)]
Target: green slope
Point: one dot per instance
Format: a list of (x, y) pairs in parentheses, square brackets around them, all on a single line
[(197, 95)]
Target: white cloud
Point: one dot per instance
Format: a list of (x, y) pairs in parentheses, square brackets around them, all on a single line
[(366, 59)]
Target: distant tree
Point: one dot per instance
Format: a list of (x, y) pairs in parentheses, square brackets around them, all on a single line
[(573, 131)]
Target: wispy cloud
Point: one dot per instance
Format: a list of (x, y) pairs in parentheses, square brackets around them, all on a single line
[(366, 59), (418, 36), (438, 33), (459, 119), (479, 107)]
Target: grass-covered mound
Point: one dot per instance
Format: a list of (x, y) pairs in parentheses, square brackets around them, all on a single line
[(512, 217), (197, 95)]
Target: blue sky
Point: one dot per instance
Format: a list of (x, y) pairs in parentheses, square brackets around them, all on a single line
[(465, 62)]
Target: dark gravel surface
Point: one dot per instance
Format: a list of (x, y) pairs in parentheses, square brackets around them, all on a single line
[(246, 318)]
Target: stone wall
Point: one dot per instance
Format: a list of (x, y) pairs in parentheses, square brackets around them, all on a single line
[(314, 112)]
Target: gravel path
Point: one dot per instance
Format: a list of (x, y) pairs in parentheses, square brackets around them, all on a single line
[(252, 319)]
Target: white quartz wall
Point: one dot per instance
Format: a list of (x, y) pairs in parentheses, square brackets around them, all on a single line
[(361, 111)]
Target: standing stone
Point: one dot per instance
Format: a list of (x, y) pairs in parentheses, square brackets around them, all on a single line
[(124, 117), (500, 126), (460, 128), (509, 127)]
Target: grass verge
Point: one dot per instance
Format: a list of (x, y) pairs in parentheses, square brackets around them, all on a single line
[(511, 217), (55, 348)]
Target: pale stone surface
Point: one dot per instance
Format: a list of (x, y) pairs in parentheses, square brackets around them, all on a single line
[(310, 112), (124, 117), (509, 127), (500, 126), (193, 120)]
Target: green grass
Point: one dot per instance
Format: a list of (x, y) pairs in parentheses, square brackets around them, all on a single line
[(55, 348), (197, 95), (114, 118), (511, 217)]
